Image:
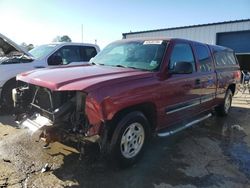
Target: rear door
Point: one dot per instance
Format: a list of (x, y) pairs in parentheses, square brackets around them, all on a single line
[(207, 75), (180, 92)]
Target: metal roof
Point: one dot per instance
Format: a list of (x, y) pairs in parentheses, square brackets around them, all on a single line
[(184, 27)]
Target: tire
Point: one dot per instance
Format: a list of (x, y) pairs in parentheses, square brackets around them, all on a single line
[(7, 102), (224, 108), (129, 139)]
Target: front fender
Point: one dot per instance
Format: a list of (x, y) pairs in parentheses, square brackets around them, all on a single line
[(98, 110)]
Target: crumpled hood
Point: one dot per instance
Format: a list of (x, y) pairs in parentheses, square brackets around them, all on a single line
[(80, 77), (8, 47)]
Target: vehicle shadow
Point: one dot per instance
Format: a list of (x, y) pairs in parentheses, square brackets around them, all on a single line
[(166, 160), (7, 117), (4, 111), (8, 120), (100, 173)]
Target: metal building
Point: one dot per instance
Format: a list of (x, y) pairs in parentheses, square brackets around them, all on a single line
[(232, 34)]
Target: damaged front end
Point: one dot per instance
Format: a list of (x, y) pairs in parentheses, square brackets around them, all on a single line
[(59, 114)]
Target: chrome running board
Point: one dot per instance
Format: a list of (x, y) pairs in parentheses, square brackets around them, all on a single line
[(174, 131)]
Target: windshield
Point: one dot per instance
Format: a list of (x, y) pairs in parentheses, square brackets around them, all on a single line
[(42, 50), (145, 55)]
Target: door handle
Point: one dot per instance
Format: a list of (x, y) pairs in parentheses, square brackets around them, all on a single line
[(210, 77), (197, 82), (38, 67)]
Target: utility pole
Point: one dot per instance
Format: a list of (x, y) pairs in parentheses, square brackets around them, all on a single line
[(82, 32)]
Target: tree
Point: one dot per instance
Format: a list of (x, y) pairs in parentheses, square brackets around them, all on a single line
[(27, 46), (64, 38), (56, 39)]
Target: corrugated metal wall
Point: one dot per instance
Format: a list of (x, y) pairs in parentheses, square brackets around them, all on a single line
[(206, 33)]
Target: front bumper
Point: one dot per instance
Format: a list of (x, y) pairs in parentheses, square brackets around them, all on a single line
[(35, 122), (52, 133)]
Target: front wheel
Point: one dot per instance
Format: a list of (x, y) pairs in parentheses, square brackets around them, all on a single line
[(129, 139), (224, 108), (7, 102)]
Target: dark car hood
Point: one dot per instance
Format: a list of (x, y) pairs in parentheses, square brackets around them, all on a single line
[(80, 77)]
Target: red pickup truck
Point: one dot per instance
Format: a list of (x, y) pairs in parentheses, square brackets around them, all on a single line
[(131, 90)]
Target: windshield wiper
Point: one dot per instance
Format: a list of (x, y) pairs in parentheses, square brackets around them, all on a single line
[(131, 67), (120, 66), (93, 63), (137, 68)]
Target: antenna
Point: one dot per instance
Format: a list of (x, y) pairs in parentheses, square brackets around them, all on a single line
[(82, 31)]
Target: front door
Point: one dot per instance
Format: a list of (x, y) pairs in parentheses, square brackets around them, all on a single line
[(180, 93)]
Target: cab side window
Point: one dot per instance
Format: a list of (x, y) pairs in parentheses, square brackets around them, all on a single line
[(203, 54), (65, 55), (182, 52)]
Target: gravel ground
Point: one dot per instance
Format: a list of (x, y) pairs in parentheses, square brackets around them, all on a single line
[(214, 153)]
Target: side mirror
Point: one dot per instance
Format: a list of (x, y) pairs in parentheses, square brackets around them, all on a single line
[(182, 67), (55, 60), (91, 60)]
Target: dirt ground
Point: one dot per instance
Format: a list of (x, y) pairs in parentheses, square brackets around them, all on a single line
[(214, 153)]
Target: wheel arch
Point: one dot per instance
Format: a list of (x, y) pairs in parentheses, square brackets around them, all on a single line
[(10, 81), (232, 87), (148, 109)]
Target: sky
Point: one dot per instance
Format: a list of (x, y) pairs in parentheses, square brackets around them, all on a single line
[(40, 21)]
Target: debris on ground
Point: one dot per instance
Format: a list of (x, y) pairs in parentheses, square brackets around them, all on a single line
[(6, 160), (237, 127), (45, 168)]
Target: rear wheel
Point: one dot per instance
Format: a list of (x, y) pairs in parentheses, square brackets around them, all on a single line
[(129, 139), (224, 108)]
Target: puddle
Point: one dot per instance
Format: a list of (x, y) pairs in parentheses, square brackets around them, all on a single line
[(237, 149), (231, 133)]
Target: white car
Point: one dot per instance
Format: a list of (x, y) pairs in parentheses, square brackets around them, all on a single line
[(14, 60)]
